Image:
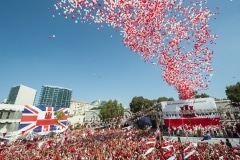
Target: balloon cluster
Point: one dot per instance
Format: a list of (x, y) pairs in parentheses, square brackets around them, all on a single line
[(174, 33)]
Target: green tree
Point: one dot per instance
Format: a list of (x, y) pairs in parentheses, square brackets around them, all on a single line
[(111, 109), (161, 99), (140, 103), (233, 93), (202, 95)]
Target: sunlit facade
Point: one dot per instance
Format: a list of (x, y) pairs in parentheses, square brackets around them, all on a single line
[(78, 108), (21, 95)]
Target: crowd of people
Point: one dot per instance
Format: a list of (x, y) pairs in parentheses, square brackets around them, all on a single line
[(230, 129), (118, 143)]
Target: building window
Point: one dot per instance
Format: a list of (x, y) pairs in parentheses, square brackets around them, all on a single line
[(8, 115), (1, 113)]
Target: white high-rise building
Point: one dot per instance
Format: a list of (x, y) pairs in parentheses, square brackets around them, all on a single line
[(21, 95)]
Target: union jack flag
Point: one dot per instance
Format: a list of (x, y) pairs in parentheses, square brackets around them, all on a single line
[(41, 119)]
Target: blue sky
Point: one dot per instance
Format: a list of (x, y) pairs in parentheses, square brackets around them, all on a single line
[(94, 63)]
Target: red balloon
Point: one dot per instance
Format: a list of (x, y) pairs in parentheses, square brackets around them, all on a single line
[(175, 33)]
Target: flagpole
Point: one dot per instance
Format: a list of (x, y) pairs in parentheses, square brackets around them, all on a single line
[(182, 122)]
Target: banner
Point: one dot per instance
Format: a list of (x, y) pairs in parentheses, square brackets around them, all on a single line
[(41, 119)]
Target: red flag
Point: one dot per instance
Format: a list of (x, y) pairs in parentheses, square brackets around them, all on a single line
[(4, 134), (50, 143), (28, 145), (72, 149)]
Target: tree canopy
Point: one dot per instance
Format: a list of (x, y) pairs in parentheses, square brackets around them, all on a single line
[(140, 103), (202, 95), (233, 93), (161, 99), (111, 109)]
